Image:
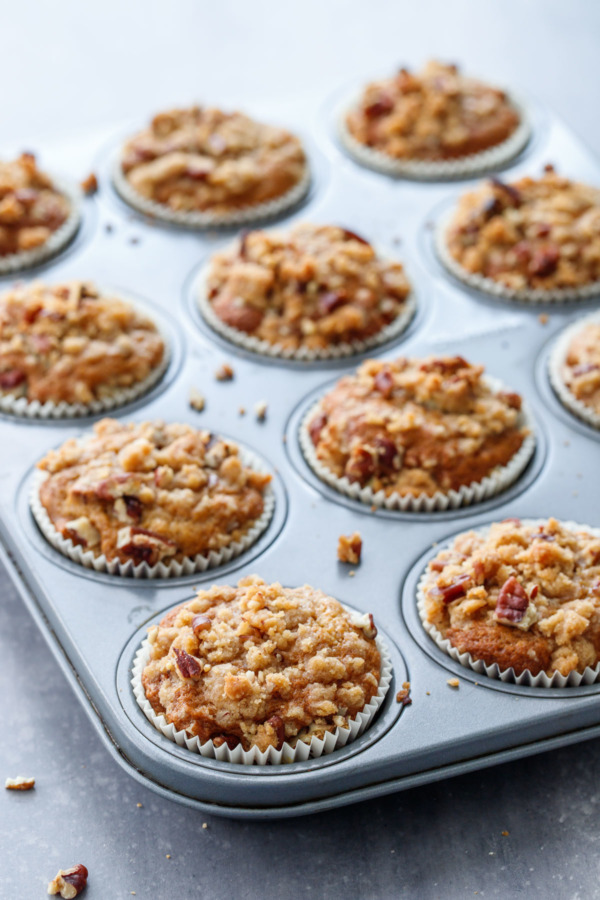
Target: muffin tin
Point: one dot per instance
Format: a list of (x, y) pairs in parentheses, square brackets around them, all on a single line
[(94, 622)]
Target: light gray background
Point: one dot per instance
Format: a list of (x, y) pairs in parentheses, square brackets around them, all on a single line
[(67, 67)]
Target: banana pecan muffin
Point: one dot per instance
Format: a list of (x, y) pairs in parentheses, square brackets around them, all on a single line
[(261, 665), (314, 287), (416, 426), (437, 114), (523, 595), (31, 207), (202, 159), (150, 492), (580, 370), (70, 343), (531, 233)]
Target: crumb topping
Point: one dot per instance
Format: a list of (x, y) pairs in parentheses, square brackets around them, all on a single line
[(433, 115), (315, 286), (350, 548), (260, 664), (151, 492), (581, 368), (416, 426), (31, 208)]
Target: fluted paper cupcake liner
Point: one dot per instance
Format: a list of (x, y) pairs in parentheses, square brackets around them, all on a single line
[(33, 409), (437, 170), (171, 569), (573, 679), (555, 367), (16, 262), (306, 354), (288, 754), (495, 288), (196, 219), (497, 481)]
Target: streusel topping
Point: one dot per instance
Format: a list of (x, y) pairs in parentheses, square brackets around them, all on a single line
[(525, 596), (31, 208), (202, 159), (581, 367), (314, 287), (151, 492), (260, 664), (434, 115), (68, 342), (416, 426), (530, 233)]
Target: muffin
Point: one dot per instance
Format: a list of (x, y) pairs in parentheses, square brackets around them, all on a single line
[(522, 596), (433, 117), (260, 665), (401, 432), (202, 164), (315, 291), (531, 238), (73, 345), (37, 217), (575, 369), (150, 494)]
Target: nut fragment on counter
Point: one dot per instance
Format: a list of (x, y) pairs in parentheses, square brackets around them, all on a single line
[(197, 400), (89, 185), (453, 683), (350, 548), (20, 783), (224, 373), (403, 696), (69, 883), (260, 410)]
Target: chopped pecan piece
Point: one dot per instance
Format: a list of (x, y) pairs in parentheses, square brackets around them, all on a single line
[(456, 588), (361, 466), (331, 301), (545, 261), (69, 883), (143, 545), (187, 665), (380, 107), (200, 623), (403, 696), (384, 382), (353, 236), (316, 426), (11, 379), (232, 740), (20, 783), (387, 454), (82, 531), (224, 373), (512, 601), (89, 185), (276, 723), (350, 548), (511, 194)]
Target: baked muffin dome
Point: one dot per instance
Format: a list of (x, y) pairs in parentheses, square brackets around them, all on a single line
[(437, 114), (204, 160), (70, 343), (31, 207), (260, 664), (521, 595), (416, 426), (532, 233), (150, 492), (315, 287)]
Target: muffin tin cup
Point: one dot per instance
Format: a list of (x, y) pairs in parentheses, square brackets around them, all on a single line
[(590, 675), (173, 569), (555, 367), (497, 481), (243, 216), (302, 751), (495, 288), (436, 170), (26, 259)]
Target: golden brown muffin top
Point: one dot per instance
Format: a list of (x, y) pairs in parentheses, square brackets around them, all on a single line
[(581, 367), (31, 208)]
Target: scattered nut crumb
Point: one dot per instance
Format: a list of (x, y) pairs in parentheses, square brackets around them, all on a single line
[(505, 833), (134, 239), (205, 824), (403, 695), (373, 508), (89, 185), (20, 783), (543, 318), (284, 438), (351, 573), (197, 400), (69, 883), (428, 693), (109, 228), (453, 682), (242, 411), (260, 410), (350, 548), (168, 856), (139, 805), (224, 373)]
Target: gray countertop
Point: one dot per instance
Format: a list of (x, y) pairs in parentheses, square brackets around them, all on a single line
[(72, 67)]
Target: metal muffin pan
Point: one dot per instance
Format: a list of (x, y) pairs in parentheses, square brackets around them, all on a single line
[(94, 623)]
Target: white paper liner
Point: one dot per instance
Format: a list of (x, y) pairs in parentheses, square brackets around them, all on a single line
[(498, 480), (244, 215), (170, 569), (58, 239), (306, 354), (437, 170), (33, 409), (490, 286), (555, 366), (574, 679), (288, 754)]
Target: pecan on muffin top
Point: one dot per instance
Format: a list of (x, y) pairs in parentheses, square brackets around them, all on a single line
[(581, 366), (202, 159), (437, 114), (531, 233), (31, 208), (260, 664), (70, 343), (315, 287), (522, 595), (150, 492), (416, 426)]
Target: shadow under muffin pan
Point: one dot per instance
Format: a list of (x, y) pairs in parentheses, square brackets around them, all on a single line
[(93, 622)]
